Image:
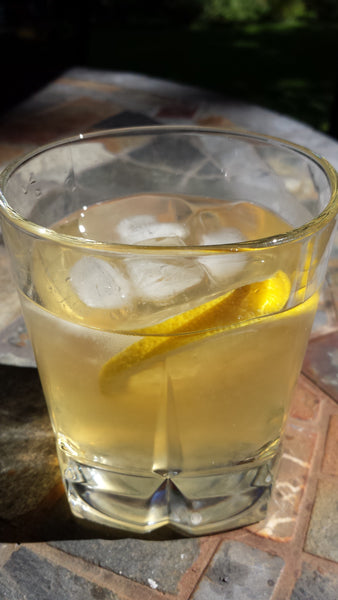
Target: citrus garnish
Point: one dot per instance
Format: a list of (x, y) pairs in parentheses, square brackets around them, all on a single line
[(233, 309)]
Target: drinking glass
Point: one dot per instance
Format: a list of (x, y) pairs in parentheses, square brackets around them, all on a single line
[(169, 277)]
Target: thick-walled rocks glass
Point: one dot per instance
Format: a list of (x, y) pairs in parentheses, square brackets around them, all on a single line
[(169, 278)]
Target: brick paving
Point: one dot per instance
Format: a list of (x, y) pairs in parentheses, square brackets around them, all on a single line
[(44, 552)]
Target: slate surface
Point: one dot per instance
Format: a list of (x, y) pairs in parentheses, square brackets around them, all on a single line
[(44, 552)]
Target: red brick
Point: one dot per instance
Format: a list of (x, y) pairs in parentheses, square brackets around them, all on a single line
[(217, 121), (63, 120), (306, 402), (288, 490), (88, 84), (330, 462), (10, 151)]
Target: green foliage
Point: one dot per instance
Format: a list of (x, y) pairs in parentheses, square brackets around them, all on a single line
[(234, 10), (154, 13), (288, 10), (221, 11)]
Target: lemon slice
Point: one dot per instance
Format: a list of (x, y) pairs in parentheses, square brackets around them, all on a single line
[(230, 310)]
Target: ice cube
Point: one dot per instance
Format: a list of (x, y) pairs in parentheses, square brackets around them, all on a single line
[(226, 235), (223, 265), (146, 230), (100, 284), (160, 281), (130, 219)]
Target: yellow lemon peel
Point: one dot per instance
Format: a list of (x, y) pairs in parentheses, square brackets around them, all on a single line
[(231, 310)]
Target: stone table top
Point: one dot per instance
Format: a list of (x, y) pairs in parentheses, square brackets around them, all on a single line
[(45, 553)]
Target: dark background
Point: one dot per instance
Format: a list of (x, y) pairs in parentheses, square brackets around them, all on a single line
[(281, 54)]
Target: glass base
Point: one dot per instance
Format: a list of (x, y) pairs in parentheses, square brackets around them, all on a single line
[(194, 505)]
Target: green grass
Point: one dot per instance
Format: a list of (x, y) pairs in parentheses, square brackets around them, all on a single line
[(288, 67)]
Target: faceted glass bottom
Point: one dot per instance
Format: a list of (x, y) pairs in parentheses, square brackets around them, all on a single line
[(192, 504)]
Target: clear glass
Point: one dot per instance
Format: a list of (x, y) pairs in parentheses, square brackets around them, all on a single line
[(169, 278)]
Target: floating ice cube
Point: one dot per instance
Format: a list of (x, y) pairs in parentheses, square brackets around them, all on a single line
[(131, 219), (100, 284), (160, 281), (145, 229), (226, 235), (223, 265)]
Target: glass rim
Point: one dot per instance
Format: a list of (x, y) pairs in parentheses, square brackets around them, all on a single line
[(293, 235)]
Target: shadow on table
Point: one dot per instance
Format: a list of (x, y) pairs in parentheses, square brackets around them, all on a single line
[(60, 525), (33, 505)]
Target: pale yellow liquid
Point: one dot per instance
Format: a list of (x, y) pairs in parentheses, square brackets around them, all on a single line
[(211, 406), (207, 405)]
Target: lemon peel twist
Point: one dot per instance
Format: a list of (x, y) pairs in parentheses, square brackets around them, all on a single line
[(231, 310)]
